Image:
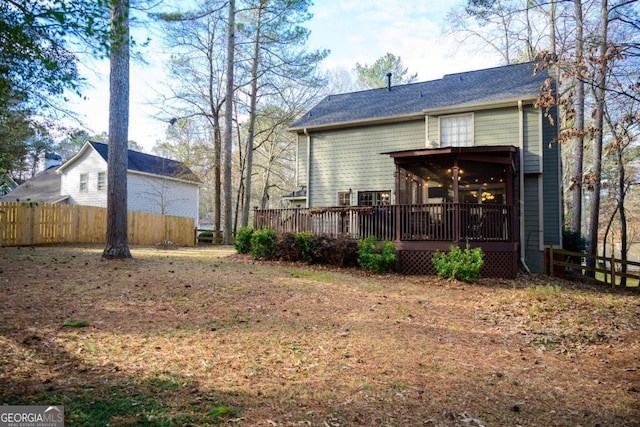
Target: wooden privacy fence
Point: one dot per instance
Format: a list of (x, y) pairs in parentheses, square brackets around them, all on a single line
[(567, 264), (36, 224)]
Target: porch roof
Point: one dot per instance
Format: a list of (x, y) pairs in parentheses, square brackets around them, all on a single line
[(503, 154)]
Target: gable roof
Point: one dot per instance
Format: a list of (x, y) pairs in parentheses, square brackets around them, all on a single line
[(469, 89), (142, 163), (44, 187)]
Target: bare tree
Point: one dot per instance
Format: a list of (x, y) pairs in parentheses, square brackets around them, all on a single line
[(197, 87), (510, 29), (578, 144), (599, 94), (277, 57)]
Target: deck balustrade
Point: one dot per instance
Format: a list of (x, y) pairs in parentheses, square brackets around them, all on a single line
[(426, 222)]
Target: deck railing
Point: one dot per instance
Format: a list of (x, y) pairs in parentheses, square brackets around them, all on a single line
[(433, 221)]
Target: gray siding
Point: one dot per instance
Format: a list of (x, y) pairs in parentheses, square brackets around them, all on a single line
[(496, 127), (301, 165), (531, 204), (352, 159), (434, 129), (490, 127), (532, 140), (552, 185)]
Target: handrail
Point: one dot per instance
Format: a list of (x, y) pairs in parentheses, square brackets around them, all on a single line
[(433, 221)]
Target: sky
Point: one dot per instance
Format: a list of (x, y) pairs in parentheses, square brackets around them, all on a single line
[(355, 31)]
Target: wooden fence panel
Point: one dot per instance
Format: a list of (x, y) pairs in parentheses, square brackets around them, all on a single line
[(567, 264), (35, 224)]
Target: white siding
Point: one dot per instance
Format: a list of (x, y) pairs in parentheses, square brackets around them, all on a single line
[(90, 163), (146, 193), (162, 196)]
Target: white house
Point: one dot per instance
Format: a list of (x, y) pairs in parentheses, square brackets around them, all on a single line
[(154, 184)]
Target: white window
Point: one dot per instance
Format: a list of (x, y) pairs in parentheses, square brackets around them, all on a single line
[(102, 181), (84, 182), (344, 198), (456, 131), (373, 198)]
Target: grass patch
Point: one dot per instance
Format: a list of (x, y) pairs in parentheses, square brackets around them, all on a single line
[(631, 282), (75, 323), (156, 401), (311, 275)]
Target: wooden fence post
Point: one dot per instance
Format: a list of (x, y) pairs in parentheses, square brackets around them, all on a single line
[(613, 270)]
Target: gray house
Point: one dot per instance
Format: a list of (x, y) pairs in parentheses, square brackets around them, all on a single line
[(466, 158)]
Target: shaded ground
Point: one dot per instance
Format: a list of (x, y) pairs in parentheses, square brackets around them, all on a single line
[(202, 336)]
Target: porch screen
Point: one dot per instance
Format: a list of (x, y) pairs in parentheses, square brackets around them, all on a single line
[(456, 131)]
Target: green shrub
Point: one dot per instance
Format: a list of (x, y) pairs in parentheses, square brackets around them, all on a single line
[(205, 236), (461, 264), (242, 243), (573, 241), (263, 244), (373, 258), (304, 245)]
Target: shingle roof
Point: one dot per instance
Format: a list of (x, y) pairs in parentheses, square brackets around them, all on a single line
[(493, 85), (42, 188), (147, 163)]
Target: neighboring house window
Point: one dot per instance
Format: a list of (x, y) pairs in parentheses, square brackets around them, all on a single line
[(84, 182), (456, 131), (344, 198), (373, 198), (102, 181)]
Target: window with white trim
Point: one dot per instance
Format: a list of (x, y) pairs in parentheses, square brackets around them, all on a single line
[(374, 198), (84, 182), (344, 198), (456, 131), (102, 181)]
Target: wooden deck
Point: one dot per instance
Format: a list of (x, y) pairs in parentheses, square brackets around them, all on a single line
[(417, 230), (444, 222)]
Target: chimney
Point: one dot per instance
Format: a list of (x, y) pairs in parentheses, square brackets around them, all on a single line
[(388, 82)]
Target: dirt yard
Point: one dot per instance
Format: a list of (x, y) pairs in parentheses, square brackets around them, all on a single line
[(205, 337)]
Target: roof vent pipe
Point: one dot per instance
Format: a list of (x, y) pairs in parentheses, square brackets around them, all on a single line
[(388, 82)]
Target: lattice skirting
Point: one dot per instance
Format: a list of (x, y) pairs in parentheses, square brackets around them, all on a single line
[(496, 263)]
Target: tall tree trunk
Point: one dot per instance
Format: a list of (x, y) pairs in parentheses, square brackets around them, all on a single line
[(217, 181), (602, 67), (578, 142), (623, 213), (552, 27), (252, 116), (228, 198), (117, 243), (243, 164)]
